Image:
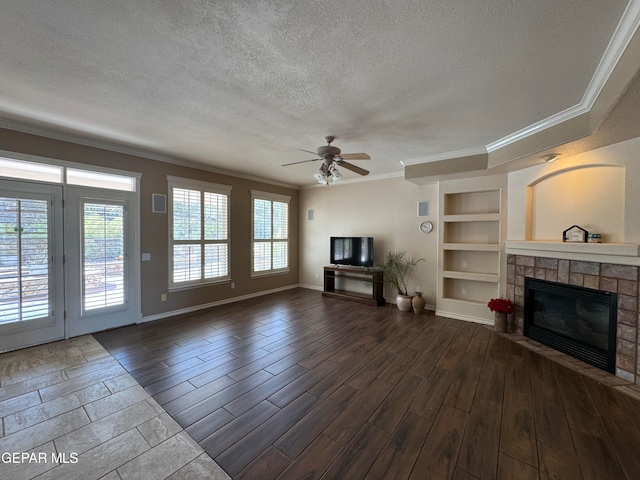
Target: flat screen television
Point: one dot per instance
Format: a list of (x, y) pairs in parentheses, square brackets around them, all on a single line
[(353, 251)]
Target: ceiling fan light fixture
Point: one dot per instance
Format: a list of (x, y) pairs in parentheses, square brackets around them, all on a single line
[(331, 158), (320, 177), (336, 176)]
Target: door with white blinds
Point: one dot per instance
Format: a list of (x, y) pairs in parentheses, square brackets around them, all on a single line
[(100, 269), (31, 274)]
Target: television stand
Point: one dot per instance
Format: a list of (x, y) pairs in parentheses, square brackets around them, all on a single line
[(375, 277)]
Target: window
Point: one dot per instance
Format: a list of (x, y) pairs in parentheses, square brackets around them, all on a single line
[(44, 172), (30, 170), (101, 180), (270, 233), (199, 232)]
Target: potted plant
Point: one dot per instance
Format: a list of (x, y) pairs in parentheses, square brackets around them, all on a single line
[(397, 269)]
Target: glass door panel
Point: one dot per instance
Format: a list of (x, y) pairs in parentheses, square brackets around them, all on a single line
[(103, 256), (24, 260), (31, 307)]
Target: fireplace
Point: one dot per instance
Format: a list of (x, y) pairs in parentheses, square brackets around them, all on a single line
[(578, 321)]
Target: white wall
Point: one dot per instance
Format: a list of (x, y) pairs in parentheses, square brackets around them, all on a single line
[(383, 209), (598, 190)]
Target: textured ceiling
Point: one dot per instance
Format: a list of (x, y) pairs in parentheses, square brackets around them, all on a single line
[(242, 86)]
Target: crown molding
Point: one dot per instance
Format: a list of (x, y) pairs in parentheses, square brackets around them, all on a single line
[(619, 41), (537, 127), (621, 38)]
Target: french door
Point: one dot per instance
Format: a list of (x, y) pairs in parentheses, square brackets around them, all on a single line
[(31, 264), (101, 271), (65, 272)]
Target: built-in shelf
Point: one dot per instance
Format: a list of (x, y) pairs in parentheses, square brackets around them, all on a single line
[(473, 217), (477, 247), (471, 302), (471, 244), (472, 232), (478, 277), (471, 202)]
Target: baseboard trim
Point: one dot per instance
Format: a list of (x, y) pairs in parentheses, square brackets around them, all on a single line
[(204, 306), (466, 318)]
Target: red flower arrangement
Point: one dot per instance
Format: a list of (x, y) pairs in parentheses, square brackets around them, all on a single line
[(501, 305)]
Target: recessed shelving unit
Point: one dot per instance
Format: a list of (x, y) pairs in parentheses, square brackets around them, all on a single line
[(471, 246)]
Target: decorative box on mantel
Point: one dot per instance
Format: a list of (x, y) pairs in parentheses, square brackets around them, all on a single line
[(622, 279)]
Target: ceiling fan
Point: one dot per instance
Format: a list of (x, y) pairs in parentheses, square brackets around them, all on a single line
[(331, 159)]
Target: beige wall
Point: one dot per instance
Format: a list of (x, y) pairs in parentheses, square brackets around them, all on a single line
[(598, 190), (383, 209), (154, 227)]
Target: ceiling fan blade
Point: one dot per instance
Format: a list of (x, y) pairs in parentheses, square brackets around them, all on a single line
[(308, 151), (355, 156), (353, 168), (302, 161)]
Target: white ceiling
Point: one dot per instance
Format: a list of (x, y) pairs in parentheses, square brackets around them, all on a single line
[(242, 86)]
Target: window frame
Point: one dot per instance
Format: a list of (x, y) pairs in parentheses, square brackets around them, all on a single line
[(202, 188), (271, 197)]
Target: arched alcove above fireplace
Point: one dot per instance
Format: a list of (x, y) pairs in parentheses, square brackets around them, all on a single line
[(592, 196)]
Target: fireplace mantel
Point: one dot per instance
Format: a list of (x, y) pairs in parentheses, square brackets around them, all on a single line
[(619, 253)]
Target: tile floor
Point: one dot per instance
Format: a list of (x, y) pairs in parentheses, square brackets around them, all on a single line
[(83, 416)]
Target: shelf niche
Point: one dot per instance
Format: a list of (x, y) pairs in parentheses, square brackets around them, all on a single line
[(466, 203), (476, 291), (472, 232), (469, 261)]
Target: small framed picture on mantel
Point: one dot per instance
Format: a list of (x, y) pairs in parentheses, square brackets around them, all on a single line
[(575, 233)]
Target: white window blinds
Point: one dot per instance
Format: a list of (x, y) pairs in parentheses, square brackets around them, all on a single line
[(199, 232), (270, 233)]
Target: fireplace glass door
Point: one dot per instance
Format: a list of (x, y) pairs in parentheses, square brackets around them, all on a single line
[(575, 320)]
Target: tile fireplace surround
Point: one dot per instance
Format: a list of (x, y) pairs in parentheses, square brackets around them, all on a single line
[(621, 279)]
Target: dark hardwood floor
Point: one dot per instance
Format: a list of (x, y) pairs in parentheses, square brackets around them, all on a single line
[(294, 385)]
